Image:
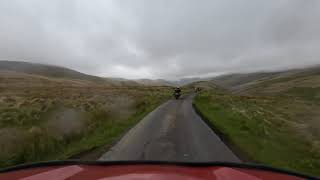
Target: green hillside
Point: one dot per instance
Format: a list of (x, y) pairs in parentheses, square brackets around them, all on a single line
[(273, 119)]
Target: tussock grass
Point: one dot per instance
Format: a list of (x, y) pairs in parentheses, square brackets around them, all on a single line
[(280, 131), (55, 122)]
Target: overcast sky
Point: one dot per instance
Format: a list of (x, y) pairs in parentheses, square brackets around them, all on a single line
[(162, 38)]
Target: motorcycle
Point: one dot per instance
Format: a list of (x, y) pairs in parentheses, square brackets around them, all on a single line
[(177, 95)]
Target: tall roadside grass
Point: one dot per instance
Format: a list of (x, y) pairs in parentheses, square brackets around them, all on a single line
[(54, 124), (269, 130)]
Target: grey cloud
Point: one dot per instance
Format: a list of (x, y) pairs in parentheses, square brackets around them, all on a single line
[(162, 39)]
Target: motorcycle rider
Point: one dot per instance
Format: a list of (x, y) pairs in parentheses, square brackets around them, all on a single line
[(177, 90), (197, 89)]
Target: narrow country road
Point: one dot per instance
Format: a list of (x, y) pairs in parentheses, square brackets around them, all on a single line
[(172, 132)]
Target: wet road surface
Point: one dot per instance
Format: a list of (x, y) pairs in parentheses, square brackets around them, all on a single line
[(172, 132)]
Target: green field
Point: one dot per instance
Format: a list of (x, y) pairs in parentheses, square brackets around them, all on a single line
[(271, 130)]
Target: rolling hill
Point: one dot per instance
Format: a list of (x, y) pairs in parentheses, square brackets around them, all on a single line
[(232, 81), (268, 83), (46, 70), (31, 73)]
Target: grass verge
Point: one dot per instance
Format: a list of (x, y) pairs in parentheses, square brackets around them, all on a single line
[(260, 128)]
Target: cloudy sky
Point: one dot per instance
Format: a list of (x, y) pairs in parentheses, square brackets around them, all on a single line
[(162, 39)]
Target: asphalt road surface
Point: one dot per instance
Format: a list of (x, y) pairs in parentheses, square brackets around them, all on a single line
[(172, 132)]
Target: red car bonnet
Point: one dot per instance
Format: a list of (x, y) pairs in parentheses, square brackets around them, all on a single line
[(143, 172)]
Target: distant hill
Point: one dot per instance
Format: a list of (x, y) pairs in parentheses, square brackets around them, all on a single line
[(157, 82), (46, 70), (232, 81), (204, 85), (34, 72), (186, 81), (122, 82), (304, 82), (246, 83)]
